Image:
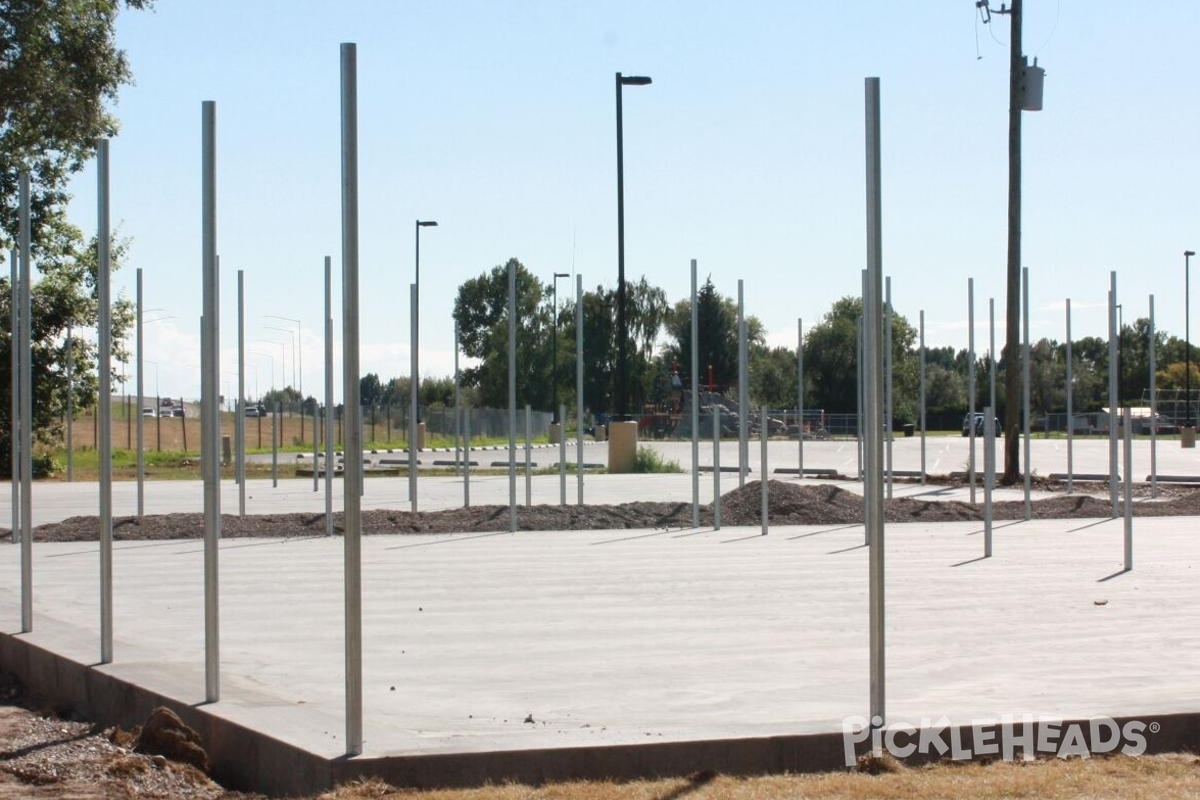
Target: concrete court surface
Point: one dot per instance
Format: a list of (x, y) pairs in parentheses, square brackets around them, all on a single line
[(619, 637), (625, 638)]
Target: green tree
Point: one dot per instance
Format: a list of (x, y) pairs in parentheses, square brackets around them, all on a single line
[(831, 358), (286, 399), (945, 391), (774, 377), (437, 392), (59, 69), (831, 361), (63, 300), (716, 323), (481, 311), (370, 390)]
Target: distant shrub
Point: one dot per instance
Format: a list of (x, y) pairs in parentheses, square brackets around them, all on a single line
[(648, 460)]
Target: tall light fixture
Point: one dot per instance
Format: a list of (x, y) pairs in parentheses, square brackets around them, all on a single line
[(298, 362), (416, 362), (1187, 336), (622, 324), (554, 349)]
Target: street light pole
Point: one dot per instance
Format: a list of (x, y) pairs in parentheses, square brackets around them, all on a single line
[(1187, 336), (554, 357), (416, 343), (622, 325), (292, 336), (298, 362)]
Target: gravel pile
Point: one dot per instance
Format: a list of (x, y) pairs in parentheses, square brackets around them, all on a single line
[(789, 504)]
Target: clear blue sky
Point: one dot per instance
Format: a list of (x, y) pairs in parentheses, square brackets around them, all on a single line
[(746, 153)]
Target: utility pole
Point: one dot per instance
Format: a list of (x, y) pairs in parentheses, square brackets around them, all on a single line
[(1019, 99), (1012, 335)]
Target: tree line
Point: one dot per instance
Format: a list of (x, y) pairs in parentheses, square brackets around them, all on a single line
[(660, 352)]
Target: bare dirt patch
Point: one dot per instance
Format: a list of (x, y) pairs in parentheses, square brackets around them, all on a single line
[(789, 504), (45, 756)]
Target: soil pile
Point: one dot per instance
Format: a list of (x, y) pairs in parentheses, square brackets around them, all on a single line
[(789, 504)]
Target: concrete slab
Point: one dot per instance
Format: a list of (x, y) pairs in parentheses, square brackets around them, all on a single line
[(556, 641)]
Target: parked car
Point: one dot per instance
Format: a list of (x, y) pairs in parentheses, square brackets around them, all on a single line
[(966, 430), (256, 411), (166, 402), (149, 412), (177, 411)]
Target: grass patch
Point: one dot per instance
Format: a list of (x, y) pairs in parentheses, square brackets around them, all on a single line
[(648, 461), (1159, 776)]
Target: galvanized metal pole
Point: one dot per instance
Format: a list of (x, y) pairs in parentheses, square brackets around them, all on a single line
[(971, 385), (716, 415), (1153, 407), (276, 435), (458, 456), (330, 465), (763, 483), (1025, 388), (413, 428), (467, 458), (562, 456), (989, 475), (873, 488), (858, 419), (1128, 489), (239, 408), (210, 420), (141, 441), (25, 468), (921, 392), (887, 390), (353, 470), (528, 458), (800, 398), (512, 398), (1113, 401), (743, 400), (695, 404), (1070, 409), (104, 302), (579, 388)]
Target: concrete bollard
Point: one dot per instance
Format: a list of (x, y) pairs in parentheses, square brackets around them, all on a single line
[(622, 446)]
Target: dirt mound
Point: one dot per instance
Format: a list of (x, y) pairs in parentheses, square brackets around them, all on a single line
[(790, 503), (165, 734)]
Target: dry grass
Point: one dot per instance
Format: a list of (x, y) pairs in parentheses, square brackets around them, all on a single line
[(1157, 777)]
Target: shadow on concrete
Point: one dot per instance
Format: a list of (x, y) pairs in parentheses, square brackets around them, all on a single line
[(1116, 574), (826, 530), (970, 561), (995, 526), (744, 538), (631, 538), (846, 549), (694, 533), (1092, 524), (450, 541)]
